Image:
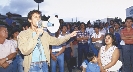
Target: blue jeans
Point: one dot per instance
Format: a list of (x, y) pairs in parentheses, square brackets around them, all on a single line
[(8, 69), (82, 48), (60, 60), (18, 64), (127, 58), (67, 55), (95, 50), (39, 67)]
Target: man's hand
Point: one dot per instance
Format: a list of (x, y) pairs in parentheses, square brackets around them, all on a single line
[(5, 65), (74, 33), (71, 53), (53, 57), (2, 61), (39, 31), (17, 50), (102, 70)]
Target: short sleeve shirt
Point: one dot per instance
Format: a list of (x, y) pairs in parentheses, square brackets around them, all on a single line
[(94, 35), (6, 49)]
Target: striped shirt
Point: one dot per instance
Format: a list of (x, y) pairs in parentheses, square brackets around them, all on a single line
[(125, 33), (81, 34)]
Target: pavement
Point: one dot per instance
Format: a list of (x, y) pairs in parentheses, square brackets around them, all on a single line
[(66, 69)]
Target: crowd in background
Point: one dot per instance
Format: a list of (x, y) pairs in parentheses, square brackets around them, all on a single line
[(102, 45)]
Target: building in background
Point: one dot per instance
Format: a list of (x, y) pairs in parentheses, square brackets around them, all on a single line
[(129, 12), (106, 20)]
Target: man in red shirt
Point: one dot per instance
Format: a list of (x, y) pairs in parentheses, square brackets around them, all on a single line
[(127, 49)]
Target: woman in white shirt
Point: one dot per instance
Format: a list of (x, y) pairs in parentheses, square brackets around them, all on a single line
[(97, 37), (108, 55)]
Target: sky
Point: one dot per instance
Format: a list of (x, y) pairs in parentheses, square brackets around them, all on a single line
[(84, 10)]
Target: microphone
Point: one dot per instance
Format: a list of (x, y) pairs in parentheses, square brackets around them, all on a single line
[(52, 24)]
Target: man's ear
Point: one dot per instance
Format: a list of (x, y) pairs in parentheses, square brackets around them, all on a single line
[(29, 20)]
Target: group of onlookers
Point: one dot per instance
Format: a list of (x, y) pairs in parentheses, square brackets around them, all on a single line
[(101, 47)]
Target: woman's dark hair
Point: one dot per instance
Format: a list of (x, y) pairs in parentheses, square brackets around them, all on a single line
[(13, 31), (90, 56), (113, 38)]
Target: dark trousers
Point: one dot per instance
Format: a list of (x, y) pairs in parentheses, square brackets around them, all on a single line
[(82, 49), (127, 51), (67, 56)]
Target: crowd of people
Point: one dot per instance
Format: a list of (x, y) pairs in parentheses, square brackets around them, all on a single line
[(103, 47)]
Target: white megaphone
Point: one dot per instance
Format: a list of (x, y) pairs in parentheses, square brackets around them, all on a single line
[(52, 24)]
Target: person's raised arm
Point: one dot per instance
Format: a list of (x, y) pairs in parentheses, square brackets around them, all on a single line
[(58, 41)]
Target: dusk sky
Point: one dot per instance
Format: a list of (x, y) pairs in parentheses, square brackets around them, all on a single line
[(84, 10)]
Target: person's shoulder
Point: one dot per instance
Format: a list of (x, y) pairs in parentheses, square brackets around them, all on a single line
[(8, 41), (45, 33), (93, 33), (100, 33), (87, 28), (93, 67), (114, 48), (92, 64), (123, 29), (25, 32), (6, 19), (132, 29), (103, 47)]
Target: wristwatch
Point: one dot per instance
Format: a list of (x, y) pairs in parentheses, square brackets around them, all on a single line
[(6, 59)]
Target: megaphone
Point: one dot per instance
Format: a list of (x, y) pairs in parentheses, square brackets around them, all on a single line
[(52, 24)]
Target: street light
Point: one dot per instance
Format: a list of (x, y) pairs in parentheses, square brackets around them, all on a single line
[(38, 1)]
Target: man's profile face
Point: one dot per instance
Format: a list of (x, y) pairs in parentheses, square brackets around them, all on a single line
[(34, 19), (3, 32)]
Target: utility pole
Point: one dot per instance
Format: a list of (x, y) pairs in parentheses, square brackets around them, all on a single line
[(38, 1)]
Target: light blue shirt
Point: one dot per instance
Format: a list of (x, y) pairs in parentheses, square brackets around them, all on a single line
[(92, 67), (38, 52)]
